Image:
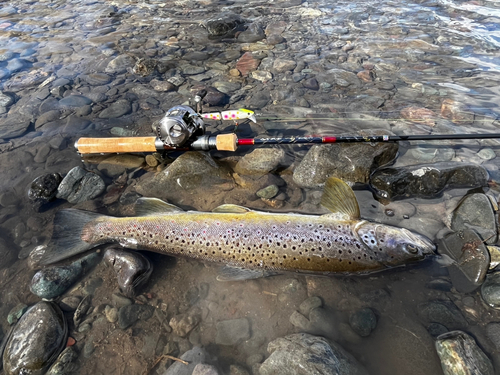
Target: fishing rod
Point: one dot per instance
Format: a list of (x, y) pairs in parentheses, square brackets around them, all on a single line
[(183, 129)]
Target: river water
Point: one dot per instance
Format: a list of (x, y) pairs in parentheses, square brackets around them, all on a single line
[(71, 69)]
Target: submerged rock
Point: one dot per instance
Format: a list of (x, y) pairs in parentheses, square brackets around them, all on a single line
[(349, 162), (128, 315), (426, 180), (194, 357), (476, 212), (459, 354), (51, 282), (470, 259), (43, 189), (232, 332), (444, 313), (260, 161), (80, 185), (32, 347), (224, 24), (64, 365), (132, 269), (306, 354), (363, 321), (490, 290)]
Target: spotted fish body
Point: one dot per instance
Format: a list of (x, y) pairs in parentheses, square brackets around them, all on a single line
[(239, 237)]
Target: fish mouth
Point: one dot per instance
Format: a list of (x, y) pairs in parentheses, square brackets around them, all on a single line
[(424, 243)]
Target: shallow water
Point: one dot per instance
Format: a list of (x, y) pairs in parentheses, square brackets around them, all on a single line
[(410, 54)]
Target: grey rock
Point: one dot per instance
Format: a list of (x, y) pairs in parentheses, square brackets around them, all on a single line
[(268, 192), (74, 101), (96, 79), (431, 155), (349, 162), (310, 304), (436, 329), (490, 290), (253, 34), (260, 161), (14, 126), (70, 303), (132, 269), (65, 363), (67, 185), (192, 69), (283, 65), (227, 87), (182, 324), (51, 282), (128, 315), (120, 64), (426, 180), (120, 301), (471, 259), (80, 185), (6, 100), (33, 347), (47, 117), (43, 189), (194, 357), (204, 369), (459, 353), (15, 65), (7, 255), (119, 108), (302, 353), (232, 332), (487, 154), (442, 312), (311, 84), (16, 313), (223, 24), (363, 321), (493, 333), (9, 198), (476, 212), (258, 100)]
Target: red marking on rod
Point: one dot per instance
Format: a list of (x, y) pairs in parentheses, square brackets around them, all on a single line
[(245, 142), (329, 139)]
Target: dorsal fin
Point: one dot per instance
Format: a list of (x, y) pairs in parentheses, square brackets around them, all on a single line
[(231, 208), (154, 206), (339, 198)]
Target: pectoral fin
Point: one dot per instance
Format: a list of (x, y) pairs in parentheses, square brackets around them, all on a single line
[(154, 206), (339, 198), (228, 273)]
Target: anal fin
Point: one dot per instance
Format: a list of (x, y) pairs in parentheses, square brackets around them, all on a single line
[(228, 273)]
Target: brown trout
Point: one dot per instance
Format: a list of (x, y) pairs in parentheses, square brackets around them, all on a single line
[(252, 243)]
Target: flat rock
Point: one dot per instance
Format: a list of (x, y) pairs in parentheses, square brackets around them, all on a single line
[(223, 24), (253, 34), (302, 353), (232, 332), (128, 315), (260, 161), (73, 101), (119, 108), (426, 180), (14, 126), (80, 185), (247, 63), (442, 312), (120, 64)]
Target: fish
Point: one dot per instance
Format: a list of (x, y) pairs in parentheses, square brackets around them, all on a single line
[(248, 243)]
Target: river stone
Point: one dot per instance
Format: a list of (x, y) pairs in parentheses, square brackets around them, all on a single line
[(471, 259), (188, 173), (490, 290), (349, 162), (32, 347), (128, 315), (120, 64), (232, 332), (283, 65), (442, 312), (193, 357), (268, 192), (224, 24), (260, 161), (13, 126), (96, 79), (302, 353), (459, 354), (74, 101), (182, 324), (115, 165), (253, 34), (64, 365), (80, 185), (5, 100), (476, 212), (43, 189), (16, 312), (426, 180), (363, 321), (247, 63), (204, 369), (456, 111), (51, 282), (119, 108)]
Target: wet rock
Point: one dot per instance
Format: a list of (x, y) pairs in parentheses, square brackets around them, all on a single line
[(186, 174), (96, 79), (419, 115), (470, 256), (260, 98), (16, 312), (43, 189), (224, 24), (253, 34), (436, 329), (232, 332), (119, 108), (459, 354), (262, 76), (283, 65), (215, 97), (349, 162), (80, 185), (493, 333), (310, 304), (14, 126), (456, 111), (120, 301), (260, 161), (115, 165), (426, 181), (194, 357), (363, 321), (128, 315), (442, 312), (311, 84), (52, 282), (487, 154), (111, 314), (7, 256), (204, 369), (131, 268), (306, 354), (65, 363), (70, 303), (82, 309), (427, 154), (490, 290), (74, 101), (227, 87), (6, 100), (184, 323), (476, 212), (15, 65), (8, 198), (268, 192), (33, 347), (247, 63), (163, 86), (120, 64)]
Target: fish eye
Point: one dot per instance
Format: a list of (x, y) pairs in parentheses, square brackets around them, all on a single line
[(412, 248)]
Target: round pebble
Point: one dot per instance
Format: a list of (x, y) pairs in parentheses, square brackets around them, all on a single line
[(363, 321)]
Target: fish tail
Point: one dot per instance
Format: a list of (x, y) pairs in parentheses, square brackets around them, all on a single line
[(70, 230)]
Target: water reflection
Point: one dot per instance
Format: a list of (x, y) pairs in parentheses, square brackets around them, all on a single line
[(93, 69)]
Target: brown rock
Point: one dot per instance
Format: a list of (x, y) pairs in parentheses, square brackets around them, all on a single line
[(365, 75), (420, 115), (247, 63), (456, 111)]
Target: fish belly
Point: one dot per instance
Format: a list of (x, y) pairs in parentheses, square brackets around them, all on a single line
[(312, 244)]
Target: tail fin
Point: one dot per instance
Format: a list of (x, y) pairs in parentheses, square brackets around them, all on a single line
[(67, 236)]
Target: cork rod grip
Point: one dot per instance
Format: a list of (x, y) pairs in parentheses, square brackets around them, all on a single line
[(226, 142), (115, 145)]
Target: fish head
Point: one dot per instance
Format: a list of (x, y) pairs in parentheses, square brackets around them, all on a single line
[(394, 245)]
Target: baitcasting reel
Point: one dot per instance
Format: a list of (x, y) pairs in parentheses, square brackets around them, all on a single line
[(179, 125)]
